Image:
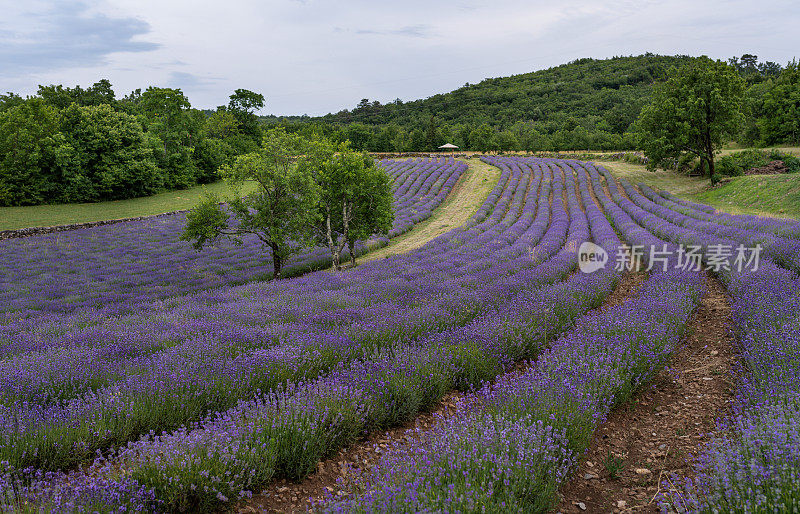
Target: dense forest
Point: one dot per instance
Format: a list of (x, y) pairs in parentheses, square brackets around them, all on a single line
[(585, 104), (68, 144)]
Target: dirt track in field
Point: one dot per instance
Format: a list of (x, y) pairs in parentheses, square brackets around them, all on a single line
[(658, 435), (463, 201), (635, 452)]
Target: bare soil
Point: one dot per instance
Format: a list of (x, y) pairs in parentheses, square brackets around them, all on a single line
[(772, 168), (285, 496), (635, 453)]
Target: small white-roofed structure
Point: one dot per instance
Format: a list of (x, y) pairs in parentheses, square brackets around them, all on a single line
[(448, 146)]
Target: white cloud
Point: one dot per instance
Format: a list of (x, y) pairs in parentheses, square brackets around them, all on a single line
[(318, 56)]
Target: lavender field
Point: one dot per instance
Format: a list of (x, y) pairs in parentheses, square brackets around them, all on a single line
[(113, 266), (139, 375)]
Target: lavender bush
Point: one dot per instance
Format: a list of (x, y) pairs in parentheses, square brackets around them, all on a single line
[(118, 266)]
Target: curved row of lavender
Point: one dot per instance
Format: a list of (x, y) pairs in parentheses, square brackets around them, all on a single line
[(489, 460), (516, 441), (752, 465), (208, 464), (779, 226), (118, 266), (783, 250), (455, 312)]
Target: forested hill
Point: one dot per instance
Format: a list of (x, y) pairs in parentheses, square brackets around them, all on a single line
[(585, 103), (612, 90)]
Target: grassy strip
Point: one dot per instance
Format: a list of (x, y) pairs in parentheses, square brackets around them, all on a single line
[(12, 218), (794, 150), (460, 205), (762, 195)]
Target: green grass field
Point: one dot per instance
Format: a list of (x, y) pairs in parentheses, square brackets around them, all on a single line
[(764, 195), (794, 150), (49, 215)]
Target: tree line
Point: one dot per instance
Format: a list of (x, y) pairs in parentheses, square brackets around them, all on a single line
[(80, 145), (587, 104), (308, 191), (74, 144)]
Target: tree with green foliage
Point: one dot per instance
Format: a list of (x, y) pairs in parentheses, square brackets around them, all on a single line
[(9, 100), (29, 136), (432, 136), (781, 108), (355, 196), (104, 155), (483, 138), (243, 104), (99, 93), (693, 112), (373, 208), (219, 142), (166, 114), (281, 212), (222, 124)]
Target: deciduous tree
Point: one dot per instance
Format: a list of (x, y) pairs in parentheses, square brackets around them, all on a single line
[(29, 135), (373, 210), (243, 105), (281, 212), (693, 112), (103, 155), (781, 108), (165, 113), (355, 196)]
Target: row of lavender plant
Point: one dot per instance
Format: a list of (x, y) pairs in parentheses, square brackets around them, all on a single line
[(68, 355), (783, 227), (456, 363), (239, 343), (785, 251), (753, 464), (122, 264), (516, 441)]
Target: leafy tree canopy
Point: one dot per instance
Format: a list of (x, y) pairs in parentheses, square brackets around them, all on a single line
[(695, 111), (281, 212)]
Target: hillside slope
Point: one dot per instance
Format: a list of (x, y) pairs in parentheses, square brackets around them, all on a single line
[(587, 103), (611, 89)]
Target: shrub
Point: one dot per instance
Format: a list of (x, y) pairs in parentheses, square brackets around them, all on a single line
[(737, 163), (792, 163)]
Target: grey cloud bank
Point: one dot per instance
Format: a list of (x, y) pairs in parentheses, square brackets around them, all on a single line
[(318, 56)]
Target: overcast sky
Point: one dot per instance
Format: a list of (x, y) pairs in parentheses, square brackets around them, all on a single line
[(316, 56)]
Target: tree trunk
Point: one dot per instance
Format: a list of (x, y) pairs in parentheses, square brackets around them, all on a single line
[(712, 171), (276, 261), (333, 246), (352, 246)]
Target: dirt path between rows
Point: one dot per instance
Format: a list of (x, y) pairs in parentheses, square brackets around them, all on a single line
[(285, 496), (466, 197), (636, 451)]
